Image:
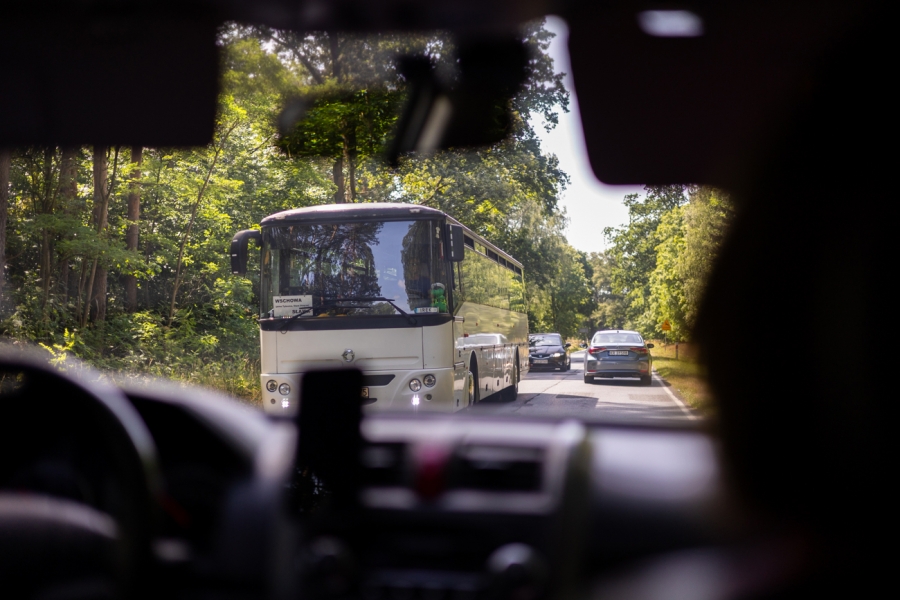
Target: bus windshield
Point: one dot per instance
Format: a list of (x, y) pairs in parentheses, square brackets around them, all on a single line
[(353, 269)]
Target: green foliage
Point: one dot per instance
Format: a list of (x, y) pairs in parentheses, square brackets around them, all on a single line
[(656, 267), (194, 320), (667, 300), (336, 117)]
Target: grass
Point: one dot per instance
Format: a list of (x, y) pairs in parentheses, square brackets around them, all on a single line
[(684, 374), (238, 378)]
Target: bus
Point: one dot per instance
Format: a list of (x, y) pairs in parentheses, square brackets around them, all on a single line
[(430, 312)]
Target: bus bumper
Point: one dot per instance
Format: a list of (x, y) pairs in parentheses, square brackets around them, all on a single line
[(384, 390)]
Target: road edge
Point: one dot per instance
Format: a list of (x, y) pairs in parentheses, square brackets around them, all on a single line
[(678, 401)]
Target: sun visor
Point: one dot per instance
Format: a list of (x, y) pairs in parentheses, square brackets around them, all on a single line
[(687, 94), (113, 77)]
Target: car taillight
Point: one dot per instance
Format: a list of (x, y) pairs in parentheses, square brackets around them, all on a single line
[(639, 350), (595, 349)]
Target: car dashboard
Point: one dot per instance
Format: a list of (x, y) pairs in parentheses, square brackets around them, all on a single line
[(468, 506)]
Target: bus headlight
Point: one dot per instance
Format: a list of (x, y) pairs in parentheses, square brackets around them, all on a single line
[(415, 385), (271, 385), (284, 389), (429, 380)]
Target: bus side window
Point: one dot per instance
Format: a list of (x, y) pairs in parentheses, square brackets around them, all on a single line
[(516, 292), (459, 294), (501, 295)]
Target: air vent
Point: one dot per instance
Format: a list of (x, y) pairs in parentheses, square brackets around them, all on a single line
[(384, 465), (497, 468)]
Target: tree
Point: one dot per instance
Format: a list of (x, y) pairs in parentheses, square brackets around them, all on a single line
[(95, 304), (350, 83), (667, 299), (706, 220), (4, 214), (657, 265), (633, 251), (608, 308), (569, 293), (132, 234), (68, 192)]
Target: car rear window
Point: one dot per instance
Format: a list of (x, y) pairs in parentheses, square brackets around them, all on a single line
[(617, 338)]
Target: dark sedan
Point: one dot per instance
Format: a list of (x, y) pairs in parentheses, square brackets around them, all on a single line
[(618, 353), (548, 351)]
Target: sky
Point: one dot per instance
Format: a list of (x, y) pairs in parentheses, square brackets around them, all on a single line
[(589, 204)]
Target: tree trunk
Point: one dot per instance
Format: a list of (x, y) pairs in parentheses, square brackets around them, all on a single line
[(349, 139), (98, 287), (4, 212), (134, 215), (46, 235), (68, 191), (335, 55), (337, 170)]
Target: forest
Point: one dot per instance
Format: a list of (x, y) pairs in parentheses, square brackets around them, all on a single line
[(118, 255)]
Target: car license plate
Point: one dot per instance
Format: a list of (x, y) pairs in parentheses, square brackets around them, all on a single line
[(365, 392), (618, 352), (540, 361)]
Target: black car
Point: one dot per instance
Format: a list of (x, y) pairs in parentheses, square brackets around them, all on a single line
[(548, 351)]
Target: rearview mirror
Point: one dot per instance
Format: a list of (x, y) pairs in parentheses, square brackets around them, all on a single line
[(568, 345), (239, 249), (583, 345), (650, 346)]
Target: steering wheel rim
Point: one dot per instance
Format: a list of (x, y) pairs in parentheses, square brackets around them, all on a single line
[(116, 427)]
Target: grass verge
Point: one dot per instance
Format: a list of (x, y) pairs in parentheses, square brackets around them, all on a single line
[(686, 376)]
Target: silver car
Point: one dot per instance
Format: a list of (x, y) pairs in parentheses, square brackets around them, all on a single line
[(618, 353)]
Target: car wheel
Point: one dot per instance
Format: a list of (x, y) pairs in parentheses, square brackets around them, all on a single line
[(646, 380), (588, 379)]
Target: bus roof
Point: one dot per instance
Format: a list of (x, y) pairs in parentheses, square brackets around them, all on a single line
[(366, 211), (391, 211)]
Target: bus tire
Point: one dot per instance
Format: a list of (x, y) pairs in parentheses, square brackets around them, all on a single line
[(511, 392), (474, 390)]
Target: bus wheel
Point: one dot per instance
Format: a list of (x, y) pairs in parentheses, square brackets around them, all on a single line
[(474, 392), (511, 392)]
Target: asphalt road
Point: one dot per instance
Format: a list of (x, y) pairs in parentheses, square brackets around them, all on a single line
[(557, 393)]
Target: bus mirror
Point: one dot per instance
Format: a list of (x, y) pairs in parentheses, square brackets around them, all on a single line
[(455, 243), (239, 249)]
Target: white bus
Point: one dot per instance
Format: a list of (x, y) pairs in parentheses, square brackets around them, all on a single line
[(430, 312)]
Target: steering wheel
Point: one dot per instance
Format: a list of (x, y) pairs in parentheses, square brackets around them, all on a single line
[(78, 484)]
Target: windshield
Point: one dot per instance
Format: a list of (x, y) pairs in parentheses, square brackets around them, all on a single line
[(117, 254), (616, 338), (546, 340), (340, 269)]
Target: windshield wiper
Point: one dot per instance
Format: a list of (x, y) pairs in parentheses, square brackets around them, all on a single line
[(410, 319), (332, 301), (302, 312)]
